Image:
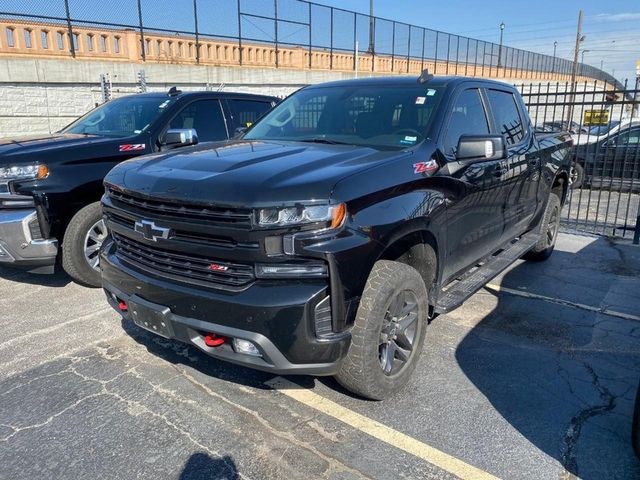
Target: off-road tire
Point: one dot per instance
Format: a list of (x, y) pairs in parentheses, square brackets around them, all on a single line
[(73, 259), (361, 371), (544, 248)]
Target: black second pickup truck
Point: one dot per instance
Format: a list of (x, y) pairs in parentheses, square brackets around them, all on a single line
[(325, 240), (50, 185)]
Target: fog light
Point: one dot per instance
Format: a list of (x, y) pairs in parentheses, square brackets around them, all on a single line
[(246, 347), (4, 255)]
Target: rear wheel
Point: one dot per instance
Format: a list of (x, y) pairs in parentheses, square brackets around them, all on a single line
[(388, 333), (576, 175), (548, 230), (81, 245)]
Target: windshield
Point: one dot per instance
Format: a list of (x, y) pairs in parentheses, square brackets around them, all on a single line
[(121, 117), (603, 129), (377, 116)]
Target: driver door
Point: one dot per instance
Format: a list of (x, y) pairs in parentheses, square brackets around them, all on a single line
[(476, 217)]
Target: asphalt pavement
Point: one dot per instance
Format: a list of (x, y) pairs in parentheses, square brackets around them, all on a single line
[(533, 378)]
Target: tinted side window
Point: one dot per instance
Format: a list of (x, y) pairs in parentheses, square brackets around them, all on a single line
[(506, 115), (246, 112), (206, 117), (467, 118), (630, 137)]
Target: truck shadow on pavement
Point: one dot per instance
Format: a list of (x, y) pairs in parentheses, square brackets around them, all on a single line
[(58, 279), (201, 466), (562, 376)]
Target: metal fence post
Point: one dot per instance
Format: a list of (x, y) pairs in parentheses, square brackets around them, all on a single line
[(435, 56), (275, 17), (239, 32), (636, 235), (331, 42), (310, 37), (142, 45), (409, 49), (393, 47), (195, 19), (72, 47), (355, 41), (424, 34)]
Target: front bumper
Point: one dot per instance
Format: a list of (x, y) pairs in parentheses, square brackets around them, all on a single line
[(19, 248), (276, 316)]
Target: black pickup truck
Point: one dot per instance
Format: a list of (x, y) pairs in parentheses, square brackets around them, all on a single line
[(50, 185), (325, 240)]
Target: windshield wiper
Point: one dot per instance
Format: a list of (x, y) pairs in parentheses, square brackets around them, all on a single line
[(323, 140)]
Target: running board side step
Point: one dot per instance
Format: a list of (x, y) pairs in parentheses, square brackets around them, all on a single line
[(457, 292)]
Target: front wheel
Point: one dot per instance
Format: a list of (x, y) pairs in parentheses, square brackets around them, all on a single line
[(388, 333), (81, 245), (548, 231)]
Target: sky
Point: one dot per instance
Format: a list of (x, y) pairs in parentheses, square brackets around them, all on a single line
[(611, 27)]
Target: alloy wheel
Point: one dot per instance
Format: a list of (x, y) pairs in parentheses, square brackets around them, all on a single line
[(92, 243), (399, 332)]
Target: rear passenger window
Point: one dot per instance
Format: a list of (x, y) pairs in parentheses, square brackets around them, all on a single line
[(506, 115), (246, 112), (467, 118)]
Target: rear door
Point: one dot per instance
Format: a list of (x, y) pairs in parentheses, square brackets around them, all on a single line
[(205, 116), (244, 112), (523, 164), (621, 155), (476, 221)]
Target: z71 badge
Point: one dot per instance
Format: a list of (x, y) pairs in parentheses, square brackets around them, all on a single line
[(425, 167), (132, 147)]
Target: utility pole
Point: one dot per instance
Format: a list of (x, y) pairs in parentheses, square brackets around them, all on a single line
[(574, 70), (555, 46), (372, 28), (502, 25)]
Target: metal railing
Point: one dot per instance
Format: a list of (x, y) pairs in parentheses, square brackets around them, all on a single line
[(605, 124), (320, 36)]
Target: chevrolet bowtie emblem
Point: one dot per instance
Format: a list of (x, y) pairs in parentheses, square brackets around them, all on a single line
[(151, 231)]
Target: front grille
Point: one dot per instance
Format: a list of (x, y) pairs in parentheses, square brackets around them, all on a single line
[(186, 236), (232, 217), (188, 268)]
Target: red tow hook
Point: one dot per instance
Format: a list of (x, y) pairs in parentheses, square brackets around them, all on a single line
[(213, 340), (122, 306)]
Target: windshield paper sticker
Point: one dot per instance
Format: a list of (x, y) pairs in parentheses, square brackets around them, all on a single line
[(425, 167), (132, 147), (421, 100), (431, 92)]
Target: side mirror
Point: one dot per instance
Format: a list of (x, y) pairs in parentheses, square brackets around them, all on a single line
[(180, 137), (475, 148), (239, 131)]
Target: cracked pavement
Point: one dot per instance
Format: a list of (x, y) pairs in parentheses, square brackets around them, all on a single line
[(519, 387)]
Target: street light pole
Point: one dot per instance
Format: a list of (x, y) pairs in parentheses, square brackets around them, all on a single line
[(502, 25), (555, 45), (583, 52), (574, 69)]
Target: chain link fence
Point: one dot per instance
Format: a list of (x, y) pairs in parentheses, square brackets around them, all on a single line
[(320, 36)]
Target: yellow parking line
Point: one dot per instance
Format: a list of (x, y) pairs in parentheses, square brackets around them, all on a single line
[(559, 301), (379, 431)]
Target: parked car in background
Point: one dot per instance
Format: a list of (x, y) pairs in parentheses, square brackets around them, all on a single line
[(325, 240), (50, 185), (561, 126), (613, 160), (600, 132)]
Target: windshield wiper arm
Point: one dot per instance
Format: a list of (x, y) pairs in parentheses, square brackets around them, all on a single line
[(323, 140)]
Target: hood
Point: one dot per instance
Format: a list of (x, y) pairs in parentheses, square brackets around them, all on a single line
[(25, 148), (243, 173)]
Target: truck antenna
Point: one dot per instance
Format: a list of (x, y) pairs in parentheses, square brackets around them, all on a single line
[(425, 76), (173, 91)]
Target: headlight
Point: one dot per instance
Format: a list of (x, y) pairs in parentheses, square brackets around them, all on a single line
[(282, 217), (24, 172)]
